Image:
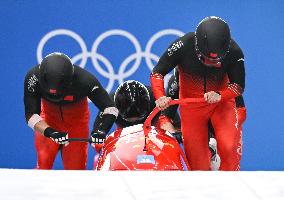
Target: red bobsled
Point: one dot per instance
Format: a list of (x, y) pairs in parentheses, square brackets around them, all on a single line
[(143, 147)]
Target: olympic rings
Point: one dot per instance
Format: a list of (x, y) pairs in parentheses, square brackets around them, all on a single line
[(95, 57)]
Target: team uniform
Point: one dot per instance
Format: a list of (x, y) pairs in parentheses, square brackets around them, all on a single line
[(68, 113), (227, 78), (173, 92)]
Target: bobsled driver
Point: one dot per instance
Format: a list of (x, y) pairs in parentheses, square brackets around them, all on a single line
[(56, 108), (134, 102)]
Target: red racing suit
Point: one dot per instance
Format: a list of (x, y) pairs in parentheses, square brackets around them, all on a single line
[(195, 80), (72, 119)]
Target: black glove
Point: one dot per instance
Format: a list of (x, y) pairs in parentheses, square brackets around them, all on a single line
[(178, 136), (56, 136), (98, 137)]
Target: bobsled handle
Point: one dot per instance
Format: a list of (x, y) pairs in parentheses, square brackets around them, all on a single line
[(79, 140), (97, 147), (147, 123)]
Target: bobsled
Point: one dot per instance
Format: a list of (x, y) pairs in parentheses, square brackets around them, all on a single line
[(143, 147)]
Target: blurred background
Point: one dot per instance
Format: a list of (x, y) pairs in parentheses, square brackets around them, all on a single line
[(122, 40)]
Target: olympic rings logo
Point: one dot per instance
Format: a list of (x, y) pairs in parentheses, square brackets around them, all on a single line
[(95, 56)]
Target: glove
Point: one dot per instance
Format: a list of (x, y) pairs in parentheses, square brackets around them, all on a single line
[(98, 137), (212, 97), (56, 136), (163, 102), (178, 136)]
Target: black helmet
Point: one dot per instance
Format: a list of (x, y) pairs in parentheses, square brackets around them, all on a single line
[(212, 40), (56, 73), (132, 100)]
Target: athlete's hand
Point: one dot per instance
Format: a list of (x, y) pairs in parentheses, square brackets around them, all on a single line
[(56, 136), (163, 102), (212, 97), (98, 137)]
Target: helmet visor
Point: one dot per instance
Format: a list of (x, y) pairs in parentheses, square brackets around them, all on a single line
[(133, 111), (210, 61)]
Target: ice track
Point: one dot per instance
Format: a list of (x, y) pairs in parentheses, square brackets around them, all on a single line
[(47, 185)]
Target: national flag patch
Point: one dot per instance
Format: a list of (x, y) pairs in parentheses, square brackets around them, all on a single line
[(142, 159), (69, 98), (52, 91)]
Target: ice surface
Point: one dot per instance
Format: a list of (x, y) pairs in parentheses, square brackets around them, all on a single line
[(46, 185)]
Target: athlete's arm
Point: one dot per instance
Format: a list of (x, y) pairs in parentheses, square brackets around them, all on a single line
[(167, 62), (99, 96), (99, 116), (236, 75), (32, 101)]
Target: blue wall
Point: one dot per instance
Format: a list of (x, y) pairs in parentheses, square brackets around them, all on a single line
[(256, 25)]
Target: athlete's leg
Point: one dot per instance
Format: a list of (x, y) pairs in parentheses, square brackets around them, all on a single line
[(46, 151), (74, 155), (241, 111), (227, 132), (194, 123)]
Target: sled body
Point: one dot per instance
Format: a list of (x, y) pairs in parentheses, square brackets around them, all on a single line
[(132, 148)]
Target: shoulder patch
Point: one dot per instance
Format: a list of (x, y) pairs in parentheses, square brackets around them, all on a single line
[(175, 46), (32, 83)]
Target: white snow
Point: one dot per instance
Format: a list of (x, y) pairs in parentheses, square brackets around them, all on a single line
[(124, 185)]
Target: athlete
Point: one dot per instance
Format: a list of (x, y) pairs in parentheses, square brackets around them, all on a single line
[(134, 102), (211, 65), (56, 107)]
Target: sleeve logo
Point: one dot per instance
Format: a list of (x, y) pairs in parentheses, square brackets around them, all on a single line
[(176, 46), (32, 83)]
